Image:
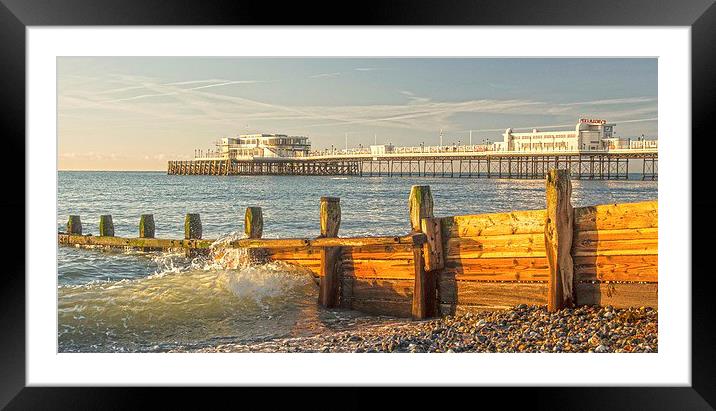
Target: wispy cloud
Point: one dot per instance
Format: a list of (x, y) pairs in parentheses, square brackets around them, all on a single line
[(200, 104), (326, 75), (175, 90)]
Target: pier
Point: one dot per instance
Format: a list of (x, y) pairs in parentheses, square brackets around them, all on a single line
[(589, 151), (557, 257), (268, 167), (605, 165)]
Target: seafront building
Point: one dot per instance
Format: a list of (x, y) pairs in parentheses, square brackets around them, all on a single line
[(588, 135), (261, 145)]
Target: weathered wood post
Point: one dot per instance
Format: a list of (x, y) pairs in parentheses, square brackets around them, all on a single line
[(192, 227), (330, 256), (424, 299), (558, 240), (146, 226), (254, 228), (106, 227), (192, 231), (253, 222), (74, 225), (433, 248)]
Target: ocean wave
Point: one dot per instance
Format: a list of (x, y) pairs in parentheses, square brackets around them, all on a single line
[(185, 301)]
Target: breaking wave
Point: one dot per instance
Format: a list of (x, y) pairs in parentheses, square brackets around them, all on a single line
[(186, 303)]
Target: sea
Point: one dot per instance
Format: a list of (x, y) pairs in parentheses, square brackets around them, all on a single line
[(131, 301)]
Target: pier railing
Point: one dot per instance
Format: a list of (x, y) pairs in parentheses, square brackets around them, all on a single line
[(560, 256)]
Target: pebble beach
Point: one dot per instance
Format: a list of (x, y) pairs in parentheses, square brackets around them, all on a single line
[(523, 328)]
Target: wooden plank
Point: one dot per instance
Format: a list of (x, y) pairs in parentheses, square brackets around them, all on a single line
[(617, 216), (385, 269), (515, 222), (380, 289), (410, 239), (649, 250), (617, 268), (417, 238), (496, 295), (486, 265), (380, 252), (616, 247), (618, 295), (295, 253), (514, 273), (617, 235), (503, 246), (155, 243)]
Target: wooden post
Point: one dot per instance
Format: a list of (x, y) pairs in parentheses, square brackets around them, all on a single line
[(106, 227), (192, 227), (421, 206), (433, 247), (424, 290), (253, 222), (146, 226), (330, 256), (254, 228), (330, 216), (74, 225), (558, 240)]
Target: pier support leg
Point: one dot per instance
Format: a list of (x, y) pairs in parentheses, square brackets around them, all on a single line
[(328, 294), (558, 240)]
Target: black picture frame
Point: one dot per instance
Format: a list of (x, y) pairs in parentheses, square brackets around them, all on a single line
[(16, 15)]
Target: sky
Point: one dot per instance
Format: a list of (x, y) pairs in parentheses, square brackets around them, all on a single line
[(136, 113)]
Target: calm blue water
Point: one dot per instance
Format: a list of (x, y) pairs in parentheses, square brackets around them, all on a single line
[(130, 301)]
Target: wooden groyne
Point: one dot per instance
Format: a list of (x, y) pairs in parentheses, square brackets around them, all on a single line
[(560, 256)]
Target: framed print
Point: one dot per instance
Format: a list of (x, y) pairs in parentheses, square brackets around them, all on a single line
[(432, 195)]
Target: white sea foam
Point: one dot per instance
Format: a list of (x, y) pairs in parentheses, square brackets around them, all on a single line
[(185, 300)]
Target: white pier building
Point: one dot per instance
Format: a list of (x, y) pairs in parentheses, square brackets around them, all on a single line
[(588, 135), (249, 146)]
